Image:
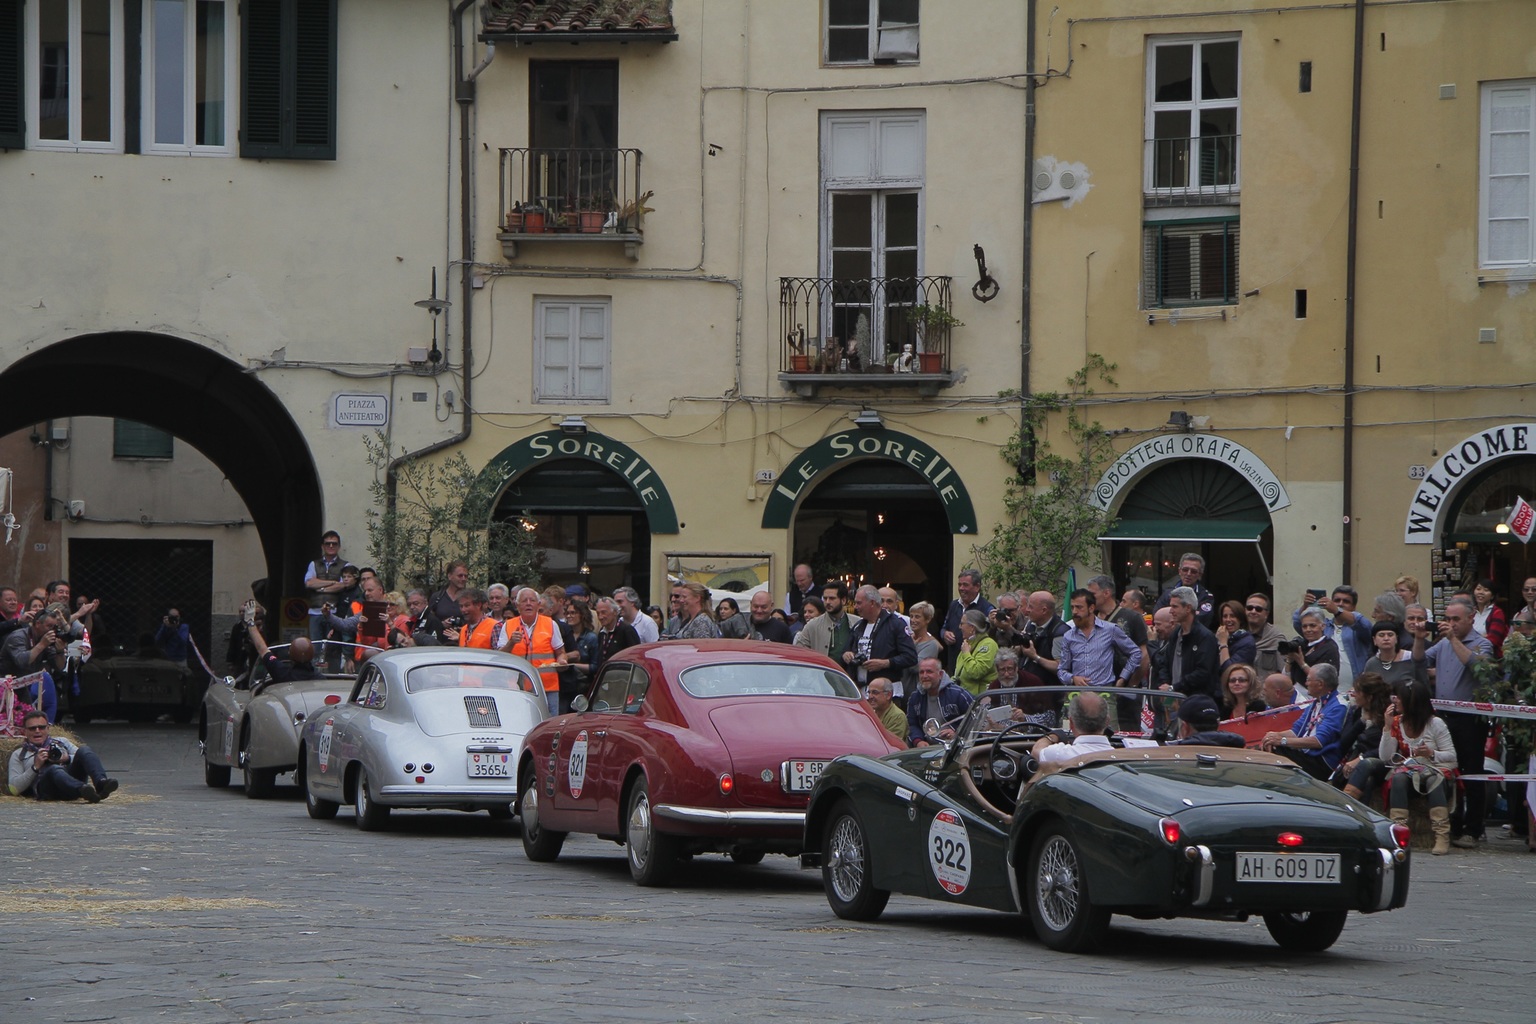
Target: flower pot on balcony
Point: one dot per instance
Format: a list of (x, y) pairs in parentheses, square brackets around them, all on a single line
[(930, 362), (799, 364), (535, 223), (590, 222), (515, 222)]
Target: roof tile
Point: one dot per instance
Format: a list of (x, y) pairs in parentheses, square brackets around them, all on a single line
[(639, 18)]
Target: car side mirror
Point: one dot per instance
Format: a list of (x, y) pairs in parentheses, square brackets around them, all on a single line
[(579, 703), (229, 681), (931, 728)]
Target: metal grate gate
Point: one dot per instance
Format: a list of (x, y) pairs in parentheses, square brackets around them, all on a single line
[(137, 580)]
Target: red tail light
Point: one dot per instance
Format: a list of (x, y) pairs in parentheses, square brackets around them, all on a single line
[(1288, 839), (1170, 830), (1401, 836), (726, 784), (333, 698)]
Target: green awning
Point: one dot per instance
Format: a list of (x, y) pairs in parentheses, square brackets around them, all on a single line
[(1239, 530)]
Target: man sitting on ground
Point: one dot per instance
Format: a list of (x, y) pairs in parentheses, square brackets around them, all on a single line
[(52, 768)]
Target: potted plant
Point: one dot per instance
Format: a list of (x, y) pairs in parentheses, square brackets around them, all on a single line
[(515, 219), (592, 211), (800, 360), (535, 219), (631, 213), (926, 318)]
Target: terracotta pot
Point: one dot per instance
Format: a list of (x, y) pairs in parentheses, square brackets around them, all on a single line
[(535, 223), (515, 223), (590, 222), (930, 362), (799, 364)]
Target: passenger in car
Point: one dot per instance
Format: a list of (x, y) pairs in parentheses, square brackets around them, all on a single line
[(1200, 725)]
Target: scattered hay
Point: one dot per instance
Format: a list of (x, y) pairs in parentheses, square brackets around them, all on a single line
[(492, 940), (100, 906)]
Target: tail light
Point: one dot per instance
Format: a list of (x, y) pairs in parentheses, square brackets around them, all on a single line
[(1289, 839), (1401, 836), (726, 784), (333, 698), (1170, 831)]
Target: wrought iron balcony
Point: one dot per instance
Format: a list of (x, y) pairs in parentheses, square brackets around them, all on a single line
[(571, 195), (1192, 172), (884, 331)]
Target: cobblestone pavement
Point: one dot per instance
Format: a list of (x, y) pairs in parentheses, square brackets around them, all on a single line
[(172, 902)]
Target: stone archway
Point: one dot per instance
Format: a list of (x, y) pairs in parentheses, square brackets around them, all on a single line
[(204, 399)]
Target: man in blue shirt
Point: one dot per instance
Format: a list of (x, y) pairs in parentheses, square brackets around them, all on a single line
[(1313, 741), (937, 696), (1089, 646)]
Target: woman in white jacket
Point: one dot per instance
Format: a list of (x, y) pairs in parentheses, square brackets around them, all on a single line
[(1418, 746)]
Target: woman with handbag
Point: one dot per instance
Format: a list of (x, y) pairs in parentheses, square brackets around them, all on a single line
[(1417, 745)]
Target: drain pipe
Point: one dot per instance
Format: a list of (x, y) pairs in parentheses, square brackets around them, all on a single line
[(464, 94), (1349, 292), (1026, 466)]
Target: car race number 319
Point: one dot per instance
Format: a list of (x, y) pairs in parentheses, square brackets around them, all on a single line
[(949, 851)]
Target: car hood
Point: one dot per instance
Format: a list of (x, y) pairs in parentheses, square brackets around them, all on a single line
[(443, 712)]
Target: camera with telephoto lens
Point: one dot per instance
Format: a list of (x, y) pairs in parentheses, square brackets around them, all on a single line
[(55, 754), (1287, 648)]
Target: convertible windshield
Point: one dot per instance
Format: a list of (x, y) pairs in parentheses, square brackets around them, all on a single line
[(483, 677), (765, 679), (1046, 706)]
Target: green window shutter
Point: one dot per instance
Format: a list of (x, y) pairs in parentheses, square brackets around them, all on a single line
[(132, 440), (13, 133), (288, 61)]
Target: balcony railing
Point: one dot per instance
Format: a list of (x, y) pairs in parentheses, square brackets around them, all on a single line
[(571, 195), (1192, 171), (837, 328)]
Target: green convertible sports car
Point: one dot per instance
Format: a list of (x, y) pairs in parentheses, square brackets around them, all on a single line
[(1143, 829)]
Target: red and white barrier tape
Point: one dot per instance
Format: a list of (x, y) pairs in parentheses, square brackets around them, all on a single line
[(1497, 778), (1478, 707)]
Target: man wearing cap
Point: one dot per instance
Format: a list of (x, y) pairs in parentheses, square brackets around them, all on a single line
[(1200, 725)]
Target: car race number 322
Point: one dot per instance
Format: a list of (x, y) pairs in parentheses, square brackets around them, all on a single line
[(577, 768), (949, 851)]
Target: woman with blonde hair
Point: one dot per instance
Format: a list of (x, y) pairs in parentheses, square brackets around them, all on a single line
[(697, 613)]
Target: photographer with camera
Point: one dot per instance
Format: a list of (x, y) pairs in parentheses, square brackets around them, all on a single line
[(1311, 648), (173, 636), (53, 768), (41, 647), (878, 644)]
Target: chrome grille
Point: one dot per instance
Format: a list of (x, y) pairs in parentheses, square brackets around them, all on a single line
[(482, 712)]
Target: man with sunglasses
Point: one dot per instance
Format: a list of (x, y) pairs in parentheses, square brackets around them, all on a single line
[(1266, 660), (53, 768), (322, 579)]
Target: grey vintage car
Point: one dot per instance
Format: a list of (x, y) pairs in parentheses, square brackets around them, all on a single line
[(423, 727), (252, 723)]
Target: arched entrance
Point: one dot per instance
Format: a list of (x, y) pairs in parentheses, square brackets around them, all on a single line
[(1192, 505), (592, 502), (874, 506), (1476, 540), (204, 399)]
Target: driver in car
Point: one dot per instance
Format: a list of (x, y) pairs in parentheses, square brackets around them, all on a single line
[(1088, 715), (300, 663)]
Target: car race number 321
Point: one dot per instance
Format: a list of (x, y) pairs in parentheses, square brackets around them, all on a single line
[(577, 768), (949, 851)]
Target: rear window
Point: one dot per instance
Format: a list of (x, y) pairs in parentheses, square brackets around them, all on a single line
[(484, 677), (767, 679)]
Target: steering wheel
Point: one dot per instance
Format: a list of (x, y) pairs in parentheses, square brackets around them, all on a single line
[(999, 755)]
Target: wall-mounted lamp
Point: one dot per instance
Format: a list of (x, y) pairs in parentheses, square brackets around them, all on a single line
[(573, 425), (435, 306), (1501, 528), (868, 419), (1179, 420)]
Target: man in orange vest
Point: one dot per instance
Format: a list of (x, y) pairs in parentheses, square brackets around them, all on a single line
[(477, 627), (537, 638)]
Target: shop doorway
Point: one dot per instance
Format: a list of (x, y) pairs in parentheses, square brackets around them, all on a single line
[(587, 522), (1193, 506), (1477, 544), (877, 522)]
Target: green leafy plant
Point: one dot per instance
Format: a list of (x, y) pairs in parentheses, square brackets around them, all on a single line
[(1050, 522), (1511, 679), (932, 316), (439, 513)]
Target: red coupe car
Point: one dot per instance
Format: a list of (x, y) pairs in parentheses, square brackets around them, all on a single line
[(686, 747)]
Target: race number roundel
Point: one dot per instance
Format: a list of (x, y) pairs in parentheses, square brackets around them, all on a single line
[(323, 752), (576, 768), (949, 851)]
